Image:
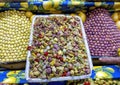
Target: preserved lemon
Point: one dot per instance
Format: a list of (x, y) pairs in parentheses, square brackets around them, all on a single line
[(29, 14), (115, 16), (82, 15)]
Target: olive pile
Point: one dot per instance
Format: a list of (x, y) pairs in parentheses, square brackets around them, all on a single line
[(107, 82), (102, 33), (94, 82), (14, 36), (58, 48)]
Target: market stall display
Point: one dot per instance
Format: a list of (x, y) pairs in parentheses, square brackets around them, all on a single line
[(57, 6), (102, 33), (58, 48), (14, 36)]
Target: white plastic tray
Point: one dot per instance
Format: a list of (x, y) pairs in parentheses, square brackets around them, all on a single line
[(57, 78)]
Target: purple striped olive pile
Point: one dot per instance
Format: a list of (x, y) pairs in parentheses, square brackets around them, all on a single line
[(58, 49), (102, 33)]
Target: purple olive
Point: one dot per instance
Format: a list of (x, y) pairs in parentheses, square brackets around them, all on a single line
[(48, 70), (66, 69), (68, 73), (47, 66), (49, 59)]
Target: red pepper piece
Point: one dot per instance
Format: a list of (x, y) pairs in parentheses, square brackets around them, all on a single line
[(61, 58), (64, 74), (87, 83), (57, 56), (65, 29), (65, 19), (36, 53), (46, 54), (29, 48), (75, 23), (37, 60), (40, 36)]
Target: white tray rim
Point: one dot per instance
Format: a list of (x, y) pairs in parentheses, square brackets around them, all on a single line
[(57, 78)]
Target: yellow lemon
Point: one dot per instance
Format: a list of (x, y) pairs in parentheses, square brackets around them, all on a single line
[(116, 5), (28, 14), (118, 24), (10, 80), (117, 9), (31, 18), (115, 16), (56, 3), (101, 74), (2, 4), (24, 4), (47, 5), (83, 16), (119, 15), (118, 51), (98, 4)]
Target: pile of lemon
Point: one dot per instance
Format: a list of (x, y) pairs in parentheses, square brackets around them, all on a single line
[(116, 18), (14, 35)]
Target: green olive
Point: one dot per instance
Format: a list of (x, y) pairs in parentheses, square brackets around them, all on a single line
[(14, 28)]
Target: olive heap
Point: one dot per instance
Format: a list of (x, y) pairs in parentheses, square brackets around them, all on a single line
[(94, 82), (102, 33), (14, 36), (58, 48)]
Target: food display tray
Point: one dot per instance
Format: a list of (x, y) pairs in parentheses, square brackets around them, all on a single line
[(57, 78)]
